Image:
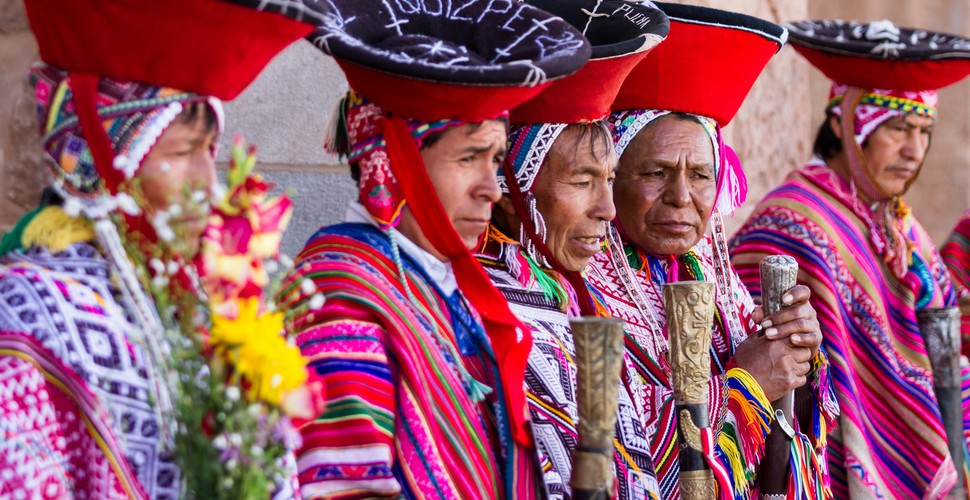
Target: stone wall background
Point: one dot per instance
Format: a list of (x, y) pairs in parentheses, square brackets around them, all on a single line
[(286, 111)]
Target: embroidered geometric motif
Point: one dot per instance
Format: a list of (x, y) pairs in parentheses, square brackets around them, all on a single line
[(551, 379), (67, 302)]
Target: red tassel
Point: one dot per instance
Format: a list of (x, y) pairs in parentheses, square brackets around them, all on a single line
[(511, 340), (85, 89)]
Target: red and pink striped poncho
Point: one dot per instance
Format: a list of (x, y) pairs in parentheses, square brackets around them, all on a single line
[(956, 255), (890, 441)]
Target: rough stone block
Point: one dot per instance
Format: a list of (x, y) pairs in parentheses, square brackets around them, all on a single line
[(319, 199), (286, 110), (26, 171)]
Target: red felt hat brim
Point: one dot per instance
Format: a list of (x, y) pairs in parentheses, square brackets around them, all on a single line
[(867, 73), (584, 96), (209, 47), (429, 101), (701, 69)]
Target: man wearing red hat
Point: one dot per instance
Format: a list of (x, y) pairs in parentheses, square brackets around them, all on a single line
[(674, 181), (130, 119), (552, 217), (422, 359), (872, 268)]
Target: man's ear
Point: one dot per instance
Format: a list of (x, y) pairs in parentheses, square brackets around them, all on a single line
[(835, 123), (505, 203)]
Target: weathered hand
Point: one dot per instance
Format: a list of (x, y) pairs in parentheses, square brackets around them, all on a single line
[(777, 365), (796, 322)]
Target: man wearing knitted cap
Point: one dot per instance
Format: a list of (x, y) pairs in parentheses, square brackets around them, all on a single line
[(556, 205), (129, 123), (675, 180), (422, 359), (873, 270)]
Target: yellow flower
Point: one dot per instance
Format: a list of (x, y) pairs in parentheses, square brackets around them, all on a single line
[(272, 367), (253, 344), (226, 332)]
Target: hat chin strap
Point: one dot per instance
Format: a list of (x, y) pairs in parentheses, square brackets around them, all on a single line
[(575, 279), (511, 340), (887, 234), (85, 90), (858, 165)]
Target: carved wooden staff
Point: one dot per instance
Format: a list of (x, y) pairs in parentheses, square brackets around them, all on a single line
[(778, 275), (690, 312), (941, 334), (599, 361)]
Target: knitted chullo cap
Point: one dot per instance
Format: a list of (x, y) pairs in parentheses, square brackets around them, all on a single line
[(880, 71)]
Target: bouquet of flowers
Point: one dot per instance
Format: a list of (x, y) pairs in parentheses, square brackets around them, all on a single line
[(236, 380)]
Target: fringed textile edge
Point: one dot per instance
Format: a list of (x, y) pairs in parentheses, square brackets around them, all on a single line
[(741, 441)]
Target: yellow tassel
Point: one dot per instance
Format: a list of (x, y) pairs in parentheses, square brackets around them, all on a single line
[(752, 424), (732, 452), (755, 389), (493, 233), (54, 229)]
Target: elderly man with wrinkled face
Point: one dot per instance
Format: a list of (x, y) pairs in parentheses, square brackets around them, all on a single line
[(675, 179), (570, 197), (871, 266), (552, 219), (665, 192)]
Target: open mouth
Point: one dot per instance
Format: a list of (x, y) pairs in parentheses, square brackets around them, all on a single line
[(589, 245)]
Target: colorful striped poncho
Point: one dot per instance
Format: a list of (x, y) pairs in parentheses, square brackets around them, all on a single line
[(891, 442), (545, 302), (631, 283), (404, 369), (956, 255)]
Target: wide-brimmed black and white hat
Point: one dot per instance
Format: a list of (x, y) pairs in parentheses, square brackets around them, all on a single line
[(446, 59), (880, 54)]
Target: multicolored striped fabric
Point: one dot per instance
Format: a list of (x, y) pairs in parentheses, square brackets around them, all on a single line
[(890, 442), (403, 369), (551, 375), (956, 255), (631, 283), (55, 440)]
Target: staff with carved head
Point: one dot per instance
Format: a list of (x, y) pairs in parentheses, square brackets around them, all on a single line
[(778, 275), (940, 328), (690, 309)]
